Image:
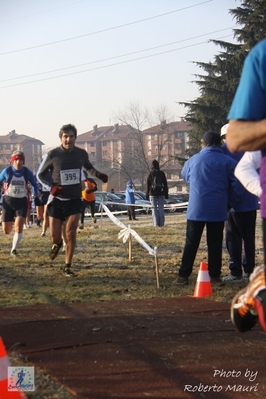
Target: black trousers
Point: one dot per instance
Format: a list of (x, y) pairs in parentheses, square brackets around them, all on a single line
[(240, 233), (214, 243), (87, 204)]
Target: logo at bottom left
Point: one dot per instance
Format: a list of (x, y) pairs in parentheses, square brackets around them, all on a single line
[(20, 379)]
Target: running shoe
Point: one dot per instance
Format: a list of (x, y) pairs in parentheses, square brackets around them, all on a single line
[(246, 276), (94, 219), (249, 305), (67, 272), (81, 226), (181, 280), (43, 234), (232, 279), (55, 249), (13, 252)]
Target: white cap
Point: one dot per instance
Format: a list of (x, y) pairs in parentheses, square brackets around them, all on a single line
[(224, 130)]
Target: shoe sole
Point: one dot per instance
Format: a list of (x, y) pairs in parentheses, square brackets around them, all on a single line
[(182, 283), (71, 274)]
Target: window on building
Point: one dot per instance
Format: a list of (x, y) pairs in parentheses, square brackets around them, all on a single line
[(92, 144), (104, 143), (92, 154), (174, 176), (104, 153)]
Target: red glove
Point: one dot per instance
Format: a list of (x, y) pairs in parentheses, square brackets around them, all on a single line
[(56, 190), (102, 177)]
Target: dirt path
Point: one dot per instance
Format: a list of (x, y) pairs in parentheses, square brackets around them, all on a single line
[(159, 348)]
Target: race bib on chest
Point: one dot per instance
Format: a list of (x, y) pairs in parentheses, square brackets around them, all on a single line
[(71, 176), (17, 187)]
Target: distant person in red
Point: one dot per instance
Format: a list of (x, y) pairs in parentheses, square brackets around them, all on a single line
[(88, 200), (15, 203)]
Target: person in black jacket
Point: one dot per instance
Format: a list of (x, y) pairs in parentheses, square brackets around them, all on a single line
[(156, 192)]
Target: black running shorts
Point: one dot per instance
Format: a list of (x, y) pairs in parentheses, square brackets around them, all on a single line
[(13, 207), (62, 209), (44, 197)]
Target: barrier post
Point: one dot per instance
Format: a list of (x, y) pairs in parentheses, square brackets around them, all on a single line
[(129, 245), (101, 206), (156, 266)]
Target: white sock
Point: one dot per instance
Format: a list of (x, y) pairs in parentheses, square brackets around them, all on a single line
[(16, 240)]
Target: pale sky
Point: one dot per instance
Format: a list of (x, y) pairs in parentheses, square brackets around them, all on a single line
[(58, 38)]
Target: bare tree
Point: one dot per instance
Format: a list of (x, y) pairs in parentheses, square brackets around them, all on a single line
[(136, 160)]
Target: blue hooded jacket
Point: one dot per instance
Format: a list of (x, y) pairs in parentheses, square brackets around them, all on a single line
[(213, 186), (130, 197)]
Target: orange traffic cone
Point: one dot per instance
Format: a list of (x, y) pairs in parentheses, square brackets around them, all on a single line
[(203, 285), (4, 364)]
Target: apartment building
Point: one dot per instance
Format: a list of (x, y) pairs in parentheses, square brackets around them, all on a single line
[(109, 148), (168, 142), (121, 151), (125, 152), (31, 147)]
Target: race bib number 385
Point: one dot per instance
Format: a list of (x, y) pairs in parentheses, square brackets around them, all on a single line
[(71, 176)]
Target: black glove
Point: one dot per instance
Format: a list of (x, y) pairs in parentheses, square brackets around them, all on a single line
[(102, 177), (37, 201), (56, 190)]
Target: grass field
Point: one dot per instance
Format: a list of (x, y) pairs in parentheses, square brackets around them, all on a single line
[(103, 271)]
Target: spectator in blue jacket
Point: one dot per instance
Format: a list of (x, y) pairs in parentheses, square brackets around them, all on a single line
[(213, 188), (130, 199), (240, 229)]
